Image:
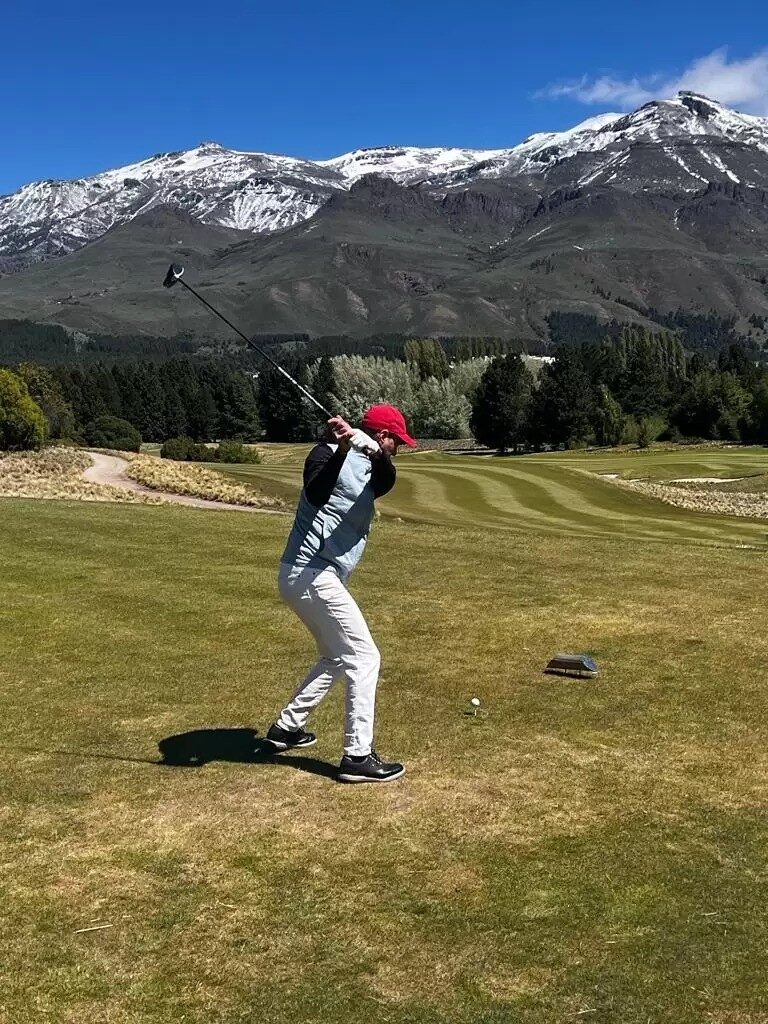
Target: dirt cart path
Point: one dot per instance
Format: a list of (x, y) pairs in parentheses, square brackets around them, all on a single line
[(109, 469)]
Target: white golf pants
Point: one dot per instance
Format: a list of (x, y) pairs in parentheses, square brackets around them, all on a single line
[(345, 646)]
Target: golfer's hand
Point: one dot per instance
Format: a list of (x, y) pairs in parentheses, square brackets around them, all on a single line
[(361, 442), (342, 432)]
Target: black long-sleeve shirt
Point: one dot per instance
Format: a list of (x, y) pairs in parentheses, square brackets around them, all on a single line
[(323, 465)]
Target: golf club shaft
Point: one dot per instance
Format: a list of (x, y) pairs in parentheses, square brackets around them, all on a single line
[(254, 346)]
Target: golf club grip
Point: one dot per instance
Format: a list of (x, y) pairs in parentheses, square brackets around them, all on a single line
[(256, 348)]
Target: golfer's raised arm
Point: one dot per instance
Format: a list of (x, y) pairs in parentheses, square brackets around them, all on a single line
[(321, 472)]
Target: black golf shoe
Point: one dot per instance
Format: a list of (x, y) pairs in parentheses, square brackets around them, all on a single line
[(369, 769), (281, 739)]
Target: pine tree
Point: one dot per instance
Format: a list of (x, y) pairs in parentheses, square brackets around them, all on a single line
[(714, 406), (642, 389), (239, 417), (203, 418), (104, 383), (284, 413), (151, 420), (500, 407), (174, 415), (564, 406), (125, 378), (326, 386), (734, 360), (756, 429), (86, 399)]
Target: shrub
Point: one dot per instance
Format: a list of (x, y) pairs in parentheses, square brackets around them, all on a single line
[(200, 453), (649, 429), (236, 451), (22, 423), (184, 449), (112, 432), (177, 448), (57, 472), (643, 434), (198, 481)]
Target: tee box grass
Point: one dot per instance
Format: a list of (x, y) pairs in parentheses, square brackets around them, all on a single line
[(587, 849)]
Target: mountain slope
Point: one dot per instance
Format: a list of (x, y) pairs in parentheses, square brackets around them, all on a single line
[(114, 284), (388, 258), (616, 217), (678, 145), (246, 191)]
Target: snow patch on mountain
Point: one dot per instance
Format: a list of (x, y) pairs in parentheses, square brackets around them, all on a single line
[(406, 164), (677, 143)]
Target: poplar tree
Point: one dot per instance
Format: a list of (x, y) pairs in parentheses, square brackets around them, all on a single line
[(22, 423)]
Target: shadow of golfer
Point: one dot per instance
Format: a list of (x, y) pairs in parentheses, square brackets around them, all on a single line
[(243, 746)]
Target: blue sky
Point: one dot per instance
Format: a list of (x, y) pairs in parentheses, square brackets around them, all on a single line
[(87, 86)]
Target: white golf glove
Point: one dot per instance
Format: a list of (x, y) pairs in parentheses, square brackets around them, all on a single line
[(361, 442)]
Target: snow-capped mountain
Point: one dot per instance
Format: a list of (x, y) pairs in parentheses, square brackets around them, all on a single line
[(676, 144), (673, 146), (407, 164), (254, 192)]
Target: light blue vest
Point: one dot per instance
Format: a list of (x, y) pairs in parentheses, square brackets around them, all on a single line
[(336, 534)]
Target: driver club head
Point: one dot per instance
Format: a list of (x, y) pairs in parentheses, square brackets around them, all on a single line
[(174, 273)]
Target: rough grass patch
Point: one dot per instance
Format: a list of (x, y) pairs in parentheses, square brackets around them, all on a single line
[(197, 481), (704, 498), (57, 473)]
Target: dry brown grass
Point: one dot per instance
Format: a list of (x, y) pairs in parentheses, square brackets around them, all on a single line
[(57, 473), (744, 504), (756, 485), (195, 480)]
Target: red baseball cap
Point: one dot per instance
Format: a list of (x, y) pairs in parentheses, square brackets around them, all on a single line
[(388, 417)]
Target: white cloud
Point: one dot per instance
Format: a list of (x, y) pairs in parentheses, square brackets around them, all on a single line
[(739, 83)]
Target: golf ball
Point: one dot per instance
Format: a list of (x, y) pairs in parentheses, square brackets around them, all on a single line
[(475, 702)]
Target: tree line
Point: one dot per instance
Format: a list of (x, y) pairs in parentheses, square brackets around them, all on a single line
[(633, 386), (635, 389), (127, 403), (49, 344)]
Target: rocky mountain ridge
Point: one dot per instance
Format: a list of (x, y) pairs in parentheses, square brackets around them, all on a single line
[(673, 145)]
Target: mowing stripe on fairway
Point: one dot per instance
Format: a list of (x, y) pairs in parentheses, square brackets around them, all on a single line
[(520, 500), (555, 493)]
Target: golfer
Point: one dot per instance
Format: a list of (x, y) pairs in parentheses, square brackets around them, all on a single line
[(333, 519)]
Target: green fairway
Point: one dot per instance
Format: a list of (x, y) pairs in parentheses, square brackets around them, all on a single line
[(557, 493), (582, 850)]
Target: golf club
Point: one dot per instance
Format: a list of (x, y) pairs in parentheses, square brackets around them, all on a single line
[(173, 276)]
